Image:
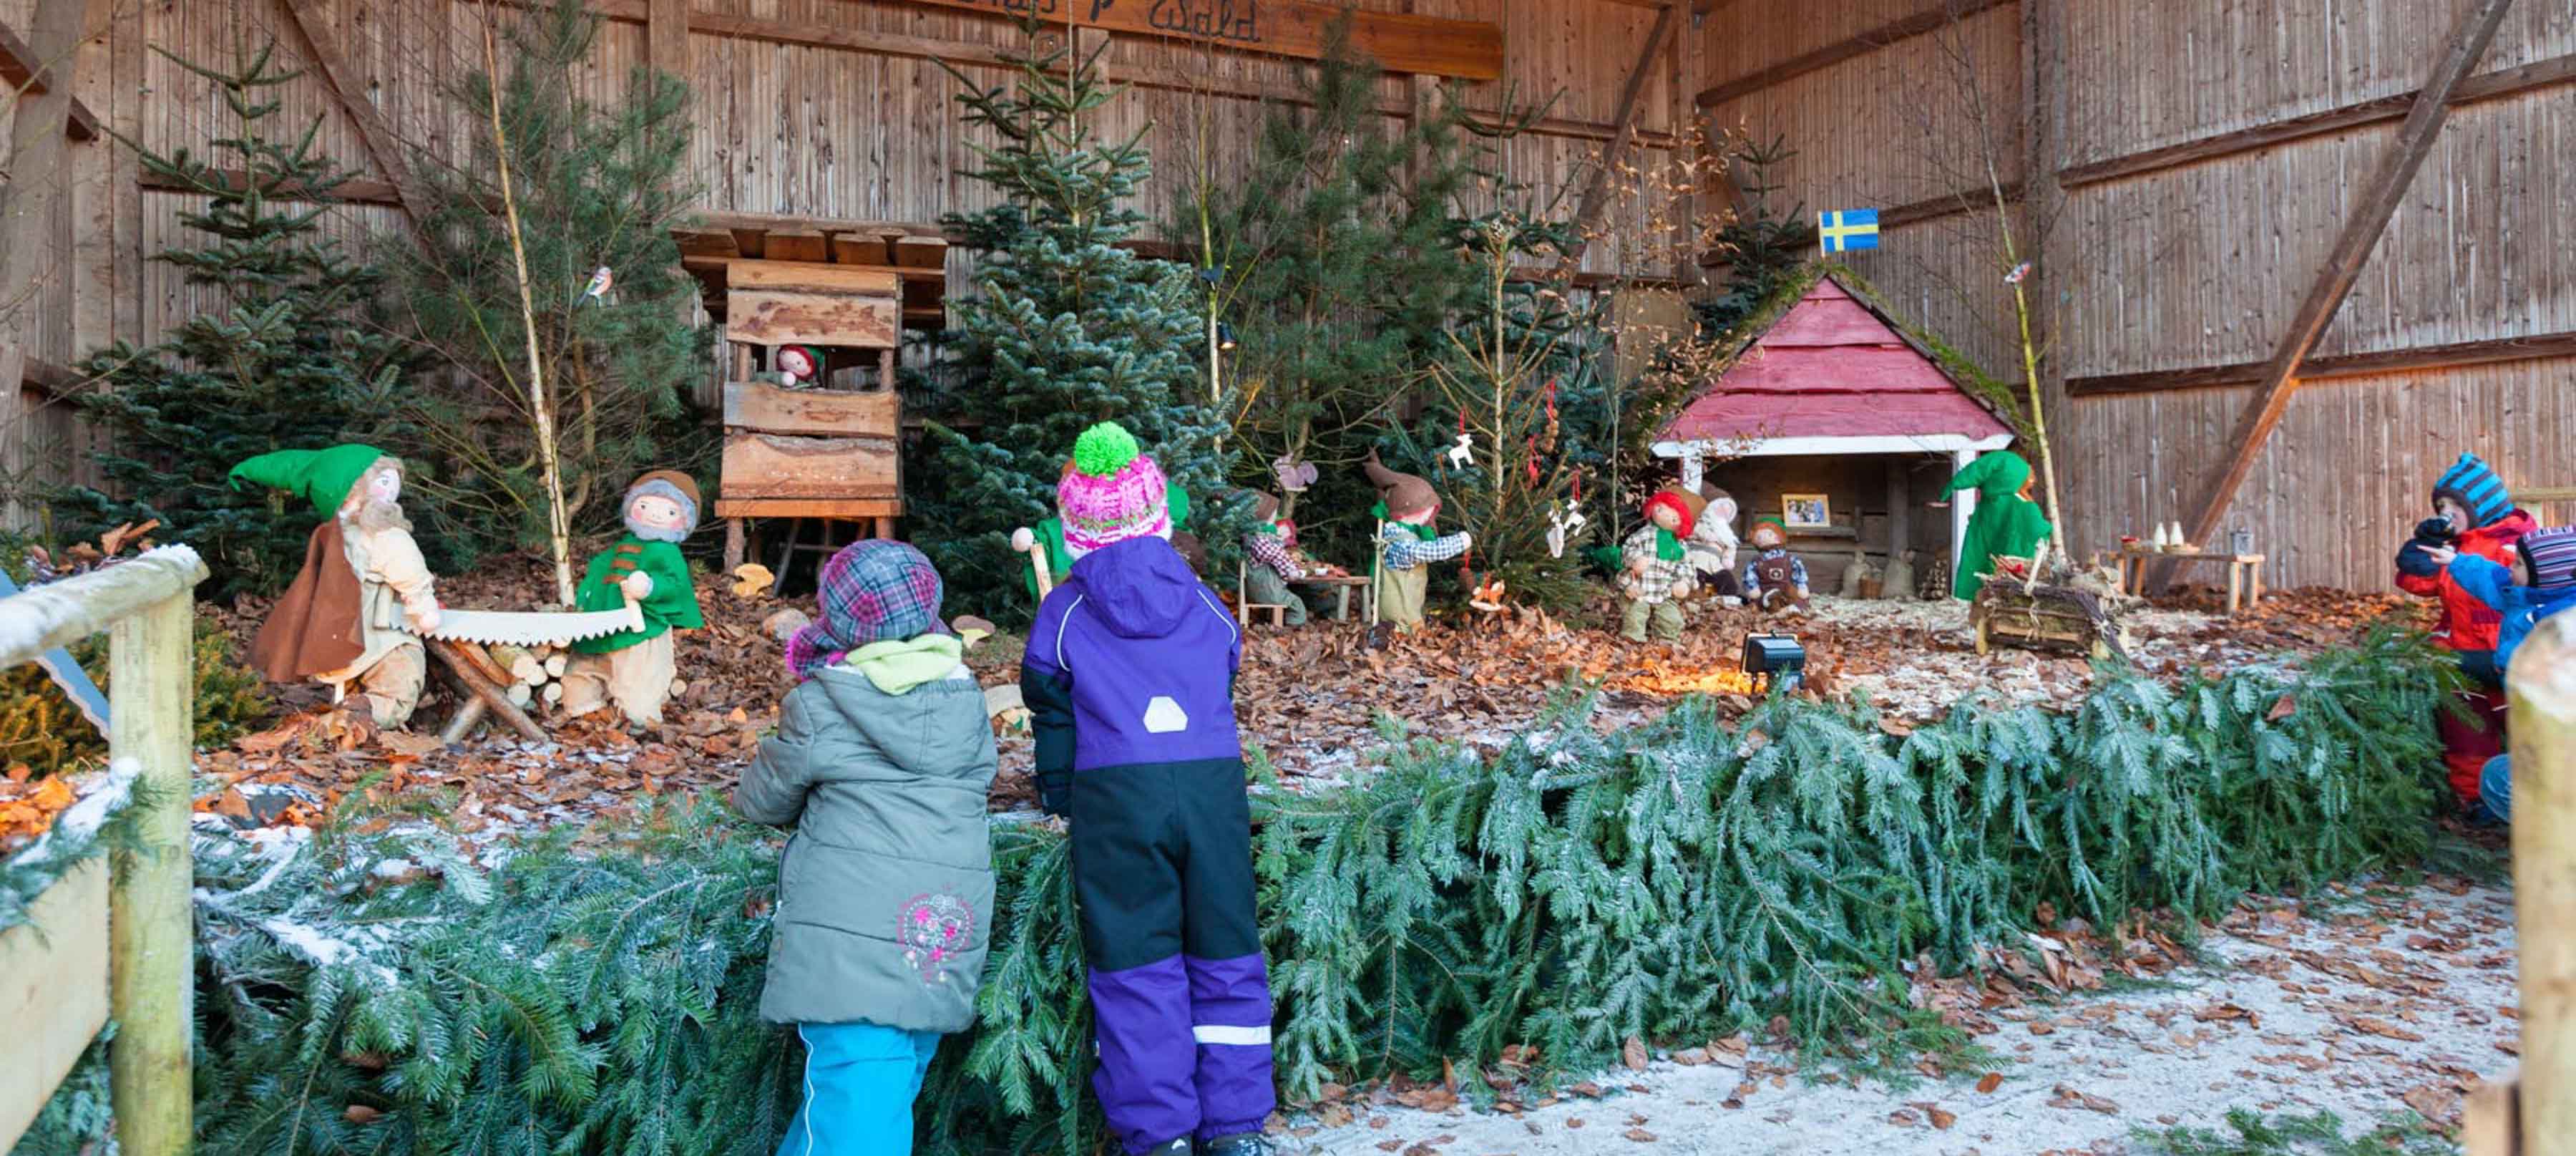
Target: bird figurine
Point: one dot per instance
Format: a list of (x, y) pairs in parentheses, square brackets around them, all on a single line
[(600, 280)]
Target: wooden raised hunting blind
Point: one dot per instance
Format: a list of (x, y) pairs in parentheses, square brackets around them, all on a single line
[(831, 451)]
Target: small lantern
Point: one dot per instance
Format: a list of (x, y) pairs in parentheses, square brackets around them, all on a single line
[(1777, 656)]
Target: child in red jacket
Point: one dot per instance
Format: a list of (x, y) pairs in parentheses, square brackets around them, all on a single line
[(2474, 515)]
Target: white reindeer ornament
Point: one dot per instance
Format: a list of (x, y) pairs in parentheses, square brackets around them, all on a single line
[(1464, 453)]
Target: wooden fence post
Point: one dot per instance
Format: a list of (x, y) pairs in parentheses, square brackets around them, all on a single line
[(151, 703), (2543, 688)]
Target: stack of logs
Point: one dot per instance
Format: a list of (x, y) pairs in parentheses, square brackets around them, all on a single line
[(527, 675)]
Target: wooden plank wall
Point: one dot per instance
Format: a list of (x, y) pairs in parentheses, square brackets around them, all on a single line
[(2202, 263), (785, 128)]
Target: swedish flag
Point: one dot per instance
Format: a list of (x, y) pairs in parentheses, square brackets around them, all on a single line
[(1847, 229)]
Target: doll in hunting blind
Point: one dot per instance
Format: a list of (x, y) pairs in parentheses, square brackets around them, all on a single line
[(1655, 569), (1406, 504), (342, 621), (634, 668), (1775, 579), (1129, 678)]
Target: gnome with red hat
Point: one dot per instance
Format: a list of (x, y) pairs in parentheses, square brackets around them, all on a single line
[(1656, 570)]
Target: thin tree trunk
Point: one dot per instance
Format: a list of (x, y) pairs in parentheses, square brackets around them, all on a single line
[(559, 537)]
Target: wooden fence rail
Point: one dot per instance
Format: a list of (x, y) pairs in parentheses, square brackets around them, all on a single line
[(146, 606)]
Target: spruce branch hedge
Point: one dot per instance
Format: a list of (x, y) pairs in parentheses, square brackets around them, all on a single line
[(1674, 882)]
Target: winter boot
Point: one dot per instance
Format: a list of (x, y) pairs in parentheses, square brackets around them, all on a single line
[(1180, 1147), (1239, 1144)]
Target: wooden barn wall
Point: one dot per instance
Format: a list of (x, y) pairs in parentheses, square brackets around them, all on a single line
[(2202, 263), (778, 128)]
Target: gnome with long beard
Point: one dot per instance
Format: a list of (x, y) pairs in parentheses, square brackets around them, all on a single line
[(634, 668), (342, 622)]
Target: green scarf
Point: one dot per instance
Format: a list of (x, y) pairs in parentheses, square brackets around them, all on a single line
[(1667, 547), (899, 666), (1425, 533)]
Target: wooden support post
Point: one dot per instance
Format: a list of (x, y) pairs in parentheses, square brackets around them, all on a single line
[(666, 36), (1596, 192), (1963, 505), (32, 254), (1900, 495), (2542, 687), (2468, 43), (151, 962)]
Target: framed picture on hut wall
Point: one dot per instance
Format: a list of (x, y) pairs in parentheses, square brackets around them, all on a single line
[(1806, 511)]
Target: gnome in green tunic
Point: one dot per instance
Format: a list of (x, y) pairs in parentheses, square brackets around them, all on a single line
[(633, 669), (2007, 524)]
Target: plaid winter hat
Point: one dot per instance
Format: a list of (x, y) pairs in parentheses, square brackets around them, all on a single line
[(1113, 492), (2477, 489), (2551, 554), (874, 590)]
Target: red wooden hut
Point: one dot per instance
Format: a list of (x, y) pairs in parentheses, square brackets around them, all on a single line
[(1833, 418)]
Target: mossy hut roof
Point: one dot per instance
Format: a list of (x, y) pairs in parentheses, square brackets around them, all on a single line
[(1827, 364)]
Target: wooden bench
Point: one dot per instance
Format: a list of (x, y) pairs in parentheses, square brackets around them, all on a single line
[(2244, 571)]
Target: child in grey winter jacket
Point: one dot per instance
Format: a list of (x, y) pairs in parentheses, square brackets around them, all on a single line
[(881, 763)]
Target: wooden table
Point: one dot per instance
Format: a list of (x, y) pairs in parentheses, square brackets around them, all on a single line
[(1245, 607), (2244, 572)]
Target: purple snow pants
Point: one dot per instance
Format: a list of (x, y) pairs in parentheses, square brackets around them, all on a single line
[(1162, 860)]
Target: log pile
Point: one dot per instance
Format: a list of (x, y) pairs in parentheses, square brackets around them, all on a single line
[(528, 676)]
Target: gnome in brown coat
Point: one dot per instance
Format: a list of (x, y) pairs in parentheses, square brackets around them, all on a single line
[(343, 621)]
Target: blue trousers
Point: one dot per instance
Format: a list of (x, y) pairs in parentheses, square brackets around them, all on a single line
[(2495, 788), (859, 1083)]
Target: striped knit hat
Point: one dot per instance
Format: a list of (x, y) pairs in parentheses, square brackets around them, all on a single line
[(2551, 554), (2476, 488), (874, 590), (1113, 492)]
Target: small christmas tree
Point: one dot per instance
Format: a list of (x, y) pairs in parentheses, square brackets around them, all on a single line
[(275, 360), (1065, 330), (1515, 378), (1343, 248), (599, 188)]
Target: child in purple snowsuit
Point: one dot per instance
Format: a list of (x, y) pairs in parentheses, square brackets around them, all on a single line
[(1129, 678)]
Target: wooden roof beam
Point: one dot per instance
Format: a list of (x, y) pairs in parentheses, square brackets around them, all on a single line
[(2485, 86), (1941, 13), (2454, 355), (19, 71), (2468, 42)]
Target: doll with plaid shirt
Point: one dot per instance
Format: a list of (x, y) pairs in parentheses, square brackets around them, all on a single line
[(1657, 569)]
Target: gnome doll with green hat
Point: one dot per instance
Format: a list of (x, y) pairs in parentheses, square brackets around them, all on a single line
[(342, 621), (634, 668), (1407, 544), (2006, 524)]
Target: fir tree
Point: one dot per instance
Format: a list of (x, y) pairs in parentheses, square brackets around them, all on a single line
[(275, 360), (600, 186), (1764, 248), (1344, 241), (1065, 329)]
